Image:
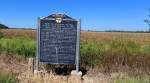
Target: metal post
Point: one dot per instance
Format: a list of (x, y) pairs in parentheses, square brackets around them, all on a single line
[(38, 45), (78, 45)]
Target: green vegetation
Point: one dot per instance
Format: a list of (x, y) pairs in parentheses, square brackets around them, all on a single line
[(1, 35), (120, 52), (144, 79), (6, 77), (3, 26), (92, 53), (123, 52), (109, 55), (19, 46)]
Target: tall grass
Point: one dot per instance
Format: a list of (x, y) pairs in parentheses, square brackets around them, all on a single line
[(117, 52), (129, 79), (1, 35), (107, 50), (92, 53), (114, 54), (19, 46), (7, 77)]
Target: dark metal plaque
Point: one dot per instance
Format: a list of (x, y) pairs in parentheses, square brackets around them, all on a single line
[(57, 39)]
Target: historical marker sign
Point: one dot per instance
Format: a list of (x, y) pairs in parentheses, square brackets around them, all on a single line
[(57, 39)]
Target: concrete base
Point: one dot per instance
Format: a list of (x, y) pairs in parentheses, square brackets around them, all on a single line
[(74, 72), (39, 73), (76, 77)]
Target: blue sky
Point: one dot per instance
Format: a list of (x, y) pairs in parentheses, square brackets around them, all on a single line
[(95, 14)]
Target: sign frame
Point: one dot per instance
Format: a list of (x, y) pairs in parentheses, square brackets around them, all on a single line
[(77, 56)]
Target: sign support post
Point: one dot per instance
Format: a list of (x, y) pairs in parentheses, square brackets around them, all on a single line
[(38, 45), (78, 45)]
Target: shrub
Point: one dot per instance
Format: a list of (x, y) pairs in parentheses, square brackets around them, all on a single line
[(92, 53)]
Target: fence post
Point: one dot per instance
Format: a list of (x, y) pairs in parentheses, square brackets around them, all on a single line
[(30, 66)]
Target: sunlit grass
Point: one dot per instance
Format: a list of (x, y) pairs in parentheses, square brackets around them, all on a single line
[(7, 77), (20, 46), (143, 79), (96, 49)]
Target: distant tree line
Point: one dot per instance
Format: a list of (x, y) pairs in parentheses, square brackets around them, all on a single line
[(3, 26), (119, 31), (126, 31)]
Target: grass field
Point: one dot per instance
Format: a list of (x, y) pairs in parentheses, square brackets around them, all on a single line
[(143, 38), (104, 51), (107, 49)]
